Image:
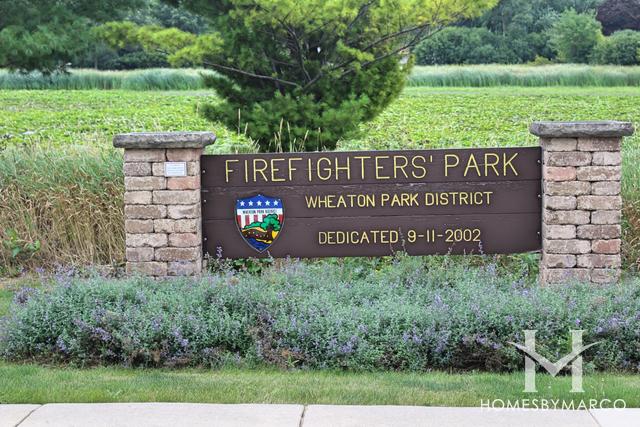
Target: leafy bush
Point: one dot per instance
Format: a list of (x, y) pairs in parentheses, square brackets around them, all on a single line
[(301, 75), (462, 45), (575, 35), (621, 48), (411, 314)]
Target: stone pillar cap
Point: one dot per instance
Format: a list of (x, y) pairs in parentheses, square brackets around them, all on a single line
[(597, 129), (151, 140)]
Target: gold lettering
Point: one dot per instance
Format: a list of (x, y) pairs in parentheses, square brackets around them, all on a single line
[(291, 168), (274, 169), (362, 168), (415, 166), (471, 163), (448, 165), (346, 168), (401, 167), (488, 165), (380, 167), (508, 163), (327, 169), (227, 169), (261, 170)]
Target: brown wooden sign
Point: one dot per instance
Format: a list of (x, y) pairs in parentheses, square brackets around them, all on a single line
[(372, 203)]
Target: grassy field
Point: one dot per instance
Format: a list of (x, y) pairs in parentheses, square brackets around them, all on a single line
[(43, 175), (433, 76)]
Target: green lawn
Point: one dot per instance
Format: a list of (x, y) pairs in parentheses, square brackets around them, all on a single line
[(37, 384)]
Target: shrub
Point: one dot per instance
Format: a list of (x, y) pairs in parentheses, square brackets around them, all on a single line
[(575, 35), (411, 314), (301, 75), (621, 48), (462, 45)]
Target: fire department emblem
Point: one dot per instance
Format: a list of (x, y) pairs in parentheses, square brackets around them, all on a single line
[(259, 220)]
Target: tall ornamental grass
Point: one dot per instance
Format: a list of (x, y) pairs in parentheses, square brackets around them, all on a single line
[(149, 79), (524, 75), (408, 314), (62, 205)]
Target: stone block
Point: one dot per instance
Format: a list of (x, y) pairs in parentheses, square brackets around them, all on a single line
[(559, 232), (137, 197), (183, 183), (152, 240), (145, 211), (176, 197), (606, 246), (560, 202), (564, 275), (183, 211), (152, 268), (599, 144), (566, 246), (606, 217), (559, 144), (185, 268), (605, 275), (184, 240), (184, 154), (599, 173), (133, 183), (140, 254), (594, 203), (176, 225), (137, 169), (559, 260), (138, 226), (598, 232), (568, 188), (178, 254), (565, 217), (553, 173), (599, 261), (567, 158), (605, 188), (144, 155), (604, 158)]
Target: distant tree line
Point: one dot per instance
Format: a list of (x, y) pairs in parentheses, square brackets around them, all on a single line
[(541, 31)]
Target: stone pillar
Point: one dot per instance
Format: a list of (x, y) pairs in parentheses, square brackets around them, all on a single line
[(163, 221), (581, 202)]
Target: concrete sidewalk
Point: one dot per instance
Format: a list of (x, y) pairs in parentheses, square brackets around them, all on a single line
[(196, 414)]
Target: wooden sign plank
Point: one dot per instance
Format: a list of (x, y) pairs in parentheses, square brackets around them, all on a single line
[(372, 167), (384, 199), (372, 203), (379, 236)]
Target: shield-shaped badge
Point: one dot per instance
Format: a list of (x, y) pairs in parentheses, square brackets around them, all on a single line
[(260, 219)]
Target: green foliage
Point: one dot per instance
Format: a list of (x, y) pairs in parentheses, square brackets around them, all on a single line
[(575, 35), (462, 45), (621, 48), (46, 35), (408, 313), (303, 74), (270, 220), (525, 75), (141, 80)]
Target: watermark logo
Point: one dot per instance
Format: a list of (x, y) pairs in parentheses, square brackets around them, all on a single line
[(532, 356)]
